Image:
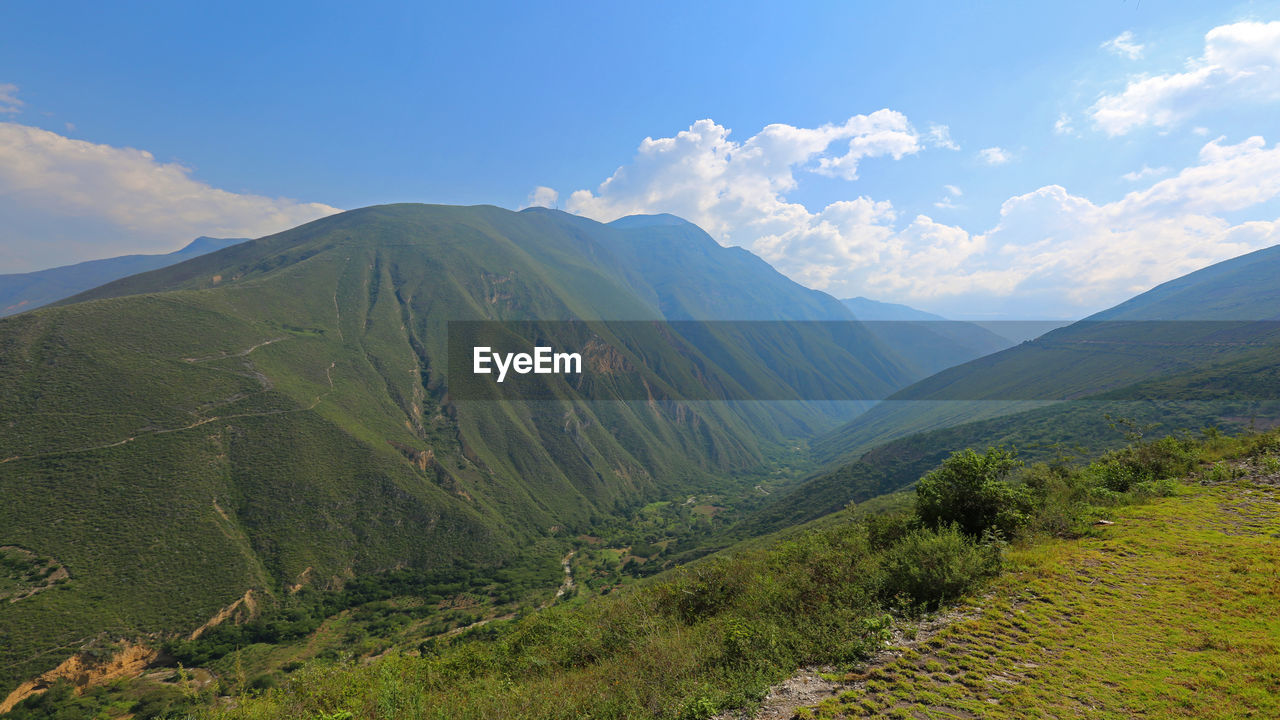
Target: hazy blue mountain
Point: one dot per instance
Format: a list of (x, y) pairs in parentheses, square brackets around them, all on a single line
[(867, 309), (927, 342), (25, 291), (1176, 328)]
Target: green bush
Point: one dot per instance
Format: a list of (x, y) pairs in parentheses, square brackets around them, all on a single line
[(1140, 462), (885, 530), (931, 566), (969, 491)]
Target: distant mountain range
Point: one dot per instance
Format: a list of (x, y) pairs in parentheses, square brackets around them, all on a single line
[(927, 342), (1196, 351), (25, 291)]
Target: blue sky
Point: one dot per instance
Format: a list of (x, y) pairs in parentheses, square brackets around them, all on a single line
[(987, 175)]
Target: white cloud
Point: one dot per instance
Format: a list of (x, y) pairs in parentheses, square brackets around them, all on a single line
[(1124, 46), (1144, 173), (732, 187), (995, 155), (542, 196), (1063, 125), (948, 201), (1240, 63), (9, 102), (940, 137), (1051, 254), (68, 200)]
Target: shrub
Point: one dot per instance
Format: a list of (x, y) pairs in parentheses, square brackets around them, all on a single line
[(1140, 463), (885, 530), (969, 490), (933, 565)]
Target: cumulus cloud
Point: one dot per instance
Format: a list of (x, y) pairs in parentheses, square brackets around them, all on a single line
[(1124, 46), (1063, 125), (9, 102), (67, 200), (1240, 63), (1047, 245), (542, 196), (994, 155)]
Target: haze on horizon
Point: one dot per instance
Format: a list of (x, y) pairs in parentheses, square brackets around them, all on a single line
[(1000, 162)]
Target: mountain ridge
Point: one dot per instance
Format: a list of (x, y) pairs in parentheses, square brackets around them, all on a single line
[(26, 291)]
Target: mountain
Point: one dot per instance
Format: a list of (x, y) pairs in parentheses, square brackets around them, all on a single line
[(280, 412), (25, 291), (1194, 352), (929, 343), (867, 309), (1207, 317)]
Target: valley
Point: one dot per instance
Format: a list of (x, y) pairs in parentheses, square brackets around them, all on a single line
[(281, 472)]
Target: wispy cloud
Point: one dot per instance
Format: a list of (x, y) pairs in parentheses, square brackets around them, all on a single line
[(1240, 63), (9, 102), (948, 201), (995, 155), (66, 200), (1063, 125), (1124, 46), (1144, 173), (940, 137)]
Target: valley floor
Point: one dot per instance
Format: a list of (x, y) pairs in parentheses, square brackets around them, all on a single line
[(1172, 612)]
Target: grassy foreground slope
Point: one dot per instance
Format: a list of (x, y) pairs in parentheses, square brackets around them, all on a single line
[(1172, 612)]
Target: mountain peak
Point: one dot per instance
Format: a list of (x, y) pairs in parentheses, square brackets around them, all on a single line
[(205, 244), (657, 220), (868, 309)]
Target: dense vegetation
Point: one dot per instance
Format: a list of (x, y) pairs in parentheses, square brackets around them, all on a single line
[(716, 633), (278, 412)]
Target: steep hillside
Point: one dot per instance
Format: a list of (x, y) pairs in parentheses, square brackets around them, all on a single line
[(26, 291), (1210, 317), (278, 413)]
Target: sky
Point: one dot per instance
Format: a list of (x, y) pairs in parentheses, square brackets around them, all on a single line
[(976, 160)]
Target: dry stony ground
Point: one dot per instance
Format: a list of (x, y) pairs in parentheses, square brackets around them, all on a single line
[(1172, 612)]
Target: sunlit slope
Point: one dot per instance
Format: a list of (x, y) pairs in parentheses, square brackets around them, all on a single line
[(278, 412)]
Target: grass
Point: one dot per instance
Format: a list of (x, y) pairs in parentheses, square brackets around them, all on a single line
[(1172, 612), (1169, 612)]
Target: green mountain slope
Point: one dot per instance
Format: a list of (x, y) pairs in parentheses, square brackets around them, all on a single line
[(1208, 317), (278, 412), (27, 291)]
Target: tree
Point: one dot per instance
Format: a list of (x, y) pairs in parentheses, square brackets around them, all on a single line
[(969, 490)]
